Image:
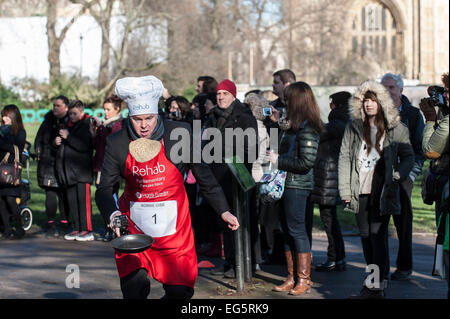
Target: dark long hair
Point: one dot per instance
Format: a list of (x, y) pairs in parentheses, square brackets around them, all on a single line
[(380, 123), (301, 105), (13, 112)]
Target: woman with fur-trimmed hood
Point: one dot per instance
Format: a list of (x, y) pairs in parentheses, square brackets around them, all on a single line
[(375, 156)]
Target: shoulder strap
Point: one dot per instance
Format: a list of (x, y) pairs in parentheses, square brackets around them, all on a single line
[(16, 154)]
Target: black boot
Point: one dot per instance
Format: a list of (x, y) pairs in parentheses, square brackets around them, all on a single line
[(18, 230), (367, 293), (331, 266), (52, 231)]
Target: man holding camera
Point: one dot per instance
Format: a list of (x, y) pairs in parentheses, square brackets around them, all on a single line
[(435, 147), (411, 117), (281, 79)]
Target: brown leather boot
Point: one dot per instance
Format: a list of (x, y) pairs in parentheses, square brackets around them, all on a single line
[(289, 283), (304, 282)]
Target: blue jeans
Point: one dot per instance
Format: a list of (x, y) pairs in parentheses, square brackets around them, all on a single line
[(293, 220)]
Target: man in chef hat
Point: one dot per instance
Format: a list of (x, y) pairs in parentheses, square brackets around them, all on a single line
[(154, 199)]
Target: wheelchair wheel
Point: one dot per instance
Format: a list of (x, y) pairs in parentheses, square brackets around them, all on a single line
[(27, 218)]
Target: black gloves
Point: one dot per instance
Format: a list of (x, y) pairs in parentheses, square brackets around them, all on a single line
[(428, 110)]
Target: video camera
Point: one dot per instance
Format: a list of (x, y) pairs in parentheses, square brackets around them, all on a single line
[(437, 97)]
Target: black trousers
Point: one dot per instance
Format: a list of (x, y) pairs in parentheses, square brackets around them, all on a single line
[(373, 229), (79, 197), (403, 226), (55, 198), (336, 246), (137, 286), (9, 209)]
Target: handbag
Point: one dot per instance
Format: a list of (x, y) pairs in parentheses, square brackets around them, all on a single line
[(11, 173), (272, 183)]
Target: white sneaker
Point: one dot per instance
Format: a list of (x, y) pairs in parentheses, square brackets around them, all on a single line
[(85, 236), (71, 236)]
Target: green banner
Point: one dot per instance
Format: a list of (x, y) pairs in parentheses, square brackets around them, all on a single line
[(33, 116)]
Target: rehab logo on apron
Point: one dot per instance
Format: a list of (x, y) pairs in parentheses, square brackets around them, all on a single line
[(156, 203)]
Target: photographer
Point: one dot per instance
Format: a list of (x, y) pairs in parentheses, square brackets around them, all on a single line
[(180, 109), (435, 135), (435, 147)]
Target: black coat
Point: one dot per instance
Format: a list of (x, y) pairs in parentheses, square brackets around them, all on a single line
[(241, 117), (74, 156), (113, 170), (326, 166), (7, 142), (45, 149)]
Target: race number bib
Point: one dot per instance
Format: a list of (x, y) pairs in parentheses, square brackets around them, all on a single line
[(157, 219)]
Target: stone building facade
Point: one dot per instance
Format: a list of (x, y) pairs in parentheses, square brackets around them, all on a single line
[(407, 36)]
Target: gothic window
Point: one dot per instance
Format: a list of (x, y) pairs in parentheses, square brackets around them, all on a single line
[(374, 32)]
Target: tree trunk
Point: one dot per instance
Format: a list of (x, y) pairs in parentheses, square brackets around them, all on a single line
[(54, 43), (103, 73)]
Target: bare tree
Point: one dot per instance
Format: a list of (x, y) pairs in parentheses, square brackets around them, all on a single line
[(54, 40), (134, 19), (101, 11)]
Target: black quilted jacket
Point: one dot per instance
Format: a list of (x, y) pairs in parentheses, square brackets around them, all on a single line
[(326, 167), (299, 165)]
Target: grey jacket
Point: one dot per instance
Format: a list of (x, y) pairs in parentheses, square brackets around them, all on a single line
[(398, 154)]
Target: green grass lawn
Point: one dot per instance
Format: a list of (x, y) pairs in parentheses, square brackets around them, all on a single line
[(423, 215), (424, 220)]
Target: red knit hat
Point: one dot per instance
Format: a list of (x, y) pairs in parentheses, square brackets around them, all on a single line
[(227, 85)]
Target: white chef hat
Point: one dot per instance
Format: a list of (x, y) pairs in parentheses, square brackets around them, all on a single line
[(140, 93)]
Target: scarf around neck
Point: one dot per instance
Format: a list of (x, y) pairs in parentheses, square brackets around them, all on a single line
[(157, 133), (222, 115)]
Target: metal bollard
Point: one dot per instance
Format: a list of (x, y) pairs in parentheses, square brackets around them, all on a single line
[(239, 249)]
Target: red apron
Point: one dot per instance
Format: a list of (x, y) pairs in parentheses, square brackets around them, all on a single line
[(155, 201)]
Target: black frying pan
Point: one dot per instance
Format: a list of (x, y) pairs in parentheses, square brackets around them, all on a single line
[(131, 244)]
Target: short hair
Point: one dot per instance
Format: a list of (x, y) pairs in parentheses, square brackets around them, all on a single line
[(286, 76), (257, 91), (76, 104), (445, 79), (204, 78), (340, 98), (115, 100), (396, 77), (62, 98), (209, 85)]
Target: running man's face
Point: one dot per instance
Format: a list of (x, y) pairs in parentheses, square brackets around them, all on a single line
[(144, 124)]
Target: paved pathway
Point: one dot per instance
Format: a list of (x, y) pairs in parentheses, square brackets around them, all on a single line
[(36, 268)]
